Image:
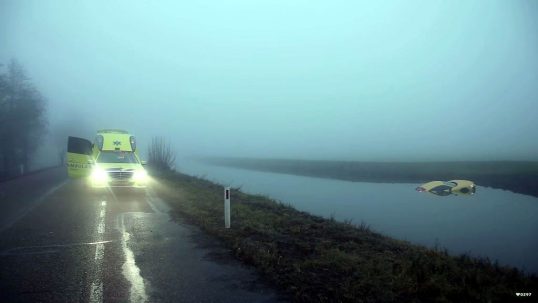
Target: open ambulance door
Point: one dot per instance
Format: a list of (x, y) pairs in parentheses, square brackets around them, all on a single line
[(79, 157)]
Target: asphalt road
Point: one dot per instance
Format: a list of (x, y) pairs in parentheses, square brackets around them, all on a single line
[(60, 242)]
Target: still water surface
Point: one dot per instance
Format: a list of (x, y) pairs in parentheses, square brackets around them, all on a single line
[(495, 223)]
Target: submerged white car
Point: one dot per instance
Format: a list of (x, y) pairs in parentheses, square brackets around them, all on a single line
[(452, 187)]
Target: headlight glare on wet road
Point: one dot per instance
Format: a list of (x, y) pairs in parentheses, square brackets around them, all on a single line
[(99, 175), (140, 175)]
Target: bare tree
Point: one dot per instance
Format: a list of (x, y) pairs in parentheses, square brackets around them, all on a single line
[(160, 154), (22, 119)]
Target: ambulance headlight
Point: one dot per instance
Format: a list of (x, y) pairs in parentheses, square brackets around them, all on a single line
[(140, 175), (99, 175)]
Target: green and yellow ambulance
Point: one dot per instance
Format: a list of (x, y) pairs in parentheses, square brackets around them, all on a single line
[(111, 160)]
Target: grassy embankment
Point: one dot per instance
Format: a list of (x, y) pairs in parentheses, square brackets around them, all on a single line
[(517, 176), (320, 260)]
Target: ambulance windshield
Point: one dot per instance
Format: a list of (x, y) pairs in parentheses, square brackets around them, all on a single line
[(116, 157)]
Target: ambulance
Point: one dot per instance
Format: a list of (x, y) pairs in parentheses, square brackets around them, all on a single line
[(111, 160)]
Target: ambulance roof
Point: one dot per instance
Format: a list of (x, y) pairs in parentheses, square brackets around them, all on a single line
[(109, 131)]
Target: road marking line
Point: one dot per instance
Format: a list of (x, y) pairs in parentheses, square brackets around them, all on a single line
[(131, 272), (101, 227), (96, 291), (99, 251), (96, 294)]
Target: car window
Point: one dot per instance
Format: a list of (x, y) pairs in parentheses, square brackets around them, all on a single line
[(441, 190), (117, 157)]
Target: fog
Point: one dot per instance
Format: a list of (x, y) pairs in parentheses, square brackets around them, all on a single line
[(398, 80)]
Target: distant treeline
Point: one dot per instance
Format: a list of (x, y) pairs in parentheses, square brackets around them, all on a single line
[(22, 120), (517, 176)]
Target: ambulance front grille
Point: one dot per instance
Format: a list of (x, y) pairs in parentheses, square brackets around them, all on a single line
[(120, 175)]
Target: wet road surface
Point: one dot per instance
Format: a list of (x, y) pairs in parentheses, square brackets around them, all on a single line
[(60, 242)]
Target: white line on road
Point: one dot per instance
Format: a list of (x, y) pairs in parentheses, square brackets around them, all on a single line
[(96, 291), (101, 228), (99, 251), (131, 272)]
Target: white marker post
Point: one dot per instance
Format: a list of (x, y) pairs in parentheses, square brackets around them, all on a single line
[(227, 207)]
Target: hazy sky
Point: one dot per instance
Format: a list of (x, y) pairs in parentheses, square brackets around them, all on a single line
[(366, 80)]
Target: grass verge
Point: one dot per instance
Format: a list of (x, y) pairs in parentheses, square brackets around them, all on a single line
[(313, 259)]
